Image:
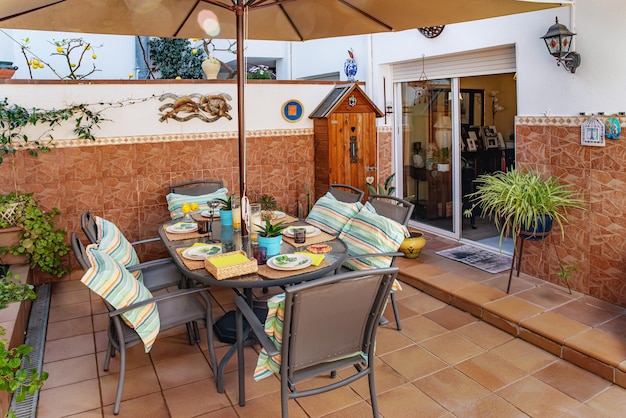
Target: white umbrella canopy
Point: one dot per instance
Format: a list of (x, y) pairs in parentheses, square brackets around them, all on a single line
[(285, 20)]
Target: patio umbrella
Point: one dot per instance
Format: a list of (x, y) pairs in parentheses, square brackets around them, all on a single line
[(285, 20)]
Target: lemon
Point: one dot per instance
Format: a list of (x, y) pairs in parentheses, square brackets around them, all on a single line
[(40, 65), (131, 75), (178, 78), (194, 51), (94, 56), (59, 49), (35, 62), (194, 206), (72, 65), (88, 47), (185, 208)]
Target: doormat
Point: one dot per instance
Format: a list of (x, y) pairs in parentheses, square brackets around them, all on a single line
[(477, 257)]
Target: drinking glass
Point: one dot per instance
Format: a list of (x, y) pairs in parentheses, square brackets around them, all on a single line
[(255, 219), (236, 207)]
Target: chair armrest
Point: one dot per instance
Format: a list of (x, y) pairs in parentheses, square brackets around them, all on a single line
[(256, 326), (150, 264), (392, 254), (175, 294), (144, 241)]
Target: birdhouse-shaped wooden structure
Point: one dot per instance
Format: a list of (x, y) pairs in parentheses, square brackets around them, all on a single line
[(345, 139)]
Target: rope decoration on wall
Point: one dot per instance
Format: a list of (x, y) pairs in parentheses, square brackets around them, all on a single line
[(208, 108)]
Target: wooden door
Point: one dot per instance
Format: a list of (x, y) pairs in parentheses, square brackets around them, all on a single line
[(352, 153)]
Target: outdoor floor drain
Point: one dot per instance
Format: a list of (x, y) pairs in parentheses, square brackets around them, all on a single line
[(35, 337)]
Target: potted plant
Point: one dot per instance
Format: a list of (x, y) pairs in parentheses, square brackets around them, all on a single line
[(226, 210), (38, 237), (270, 236), (523, 202)]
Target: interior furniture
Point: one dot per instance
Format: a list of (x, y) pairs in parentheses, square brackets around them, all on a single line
[(157, 274), (197, 187), (346, 193), (233, 241), (344, 138), (178, 307), (329, 324)]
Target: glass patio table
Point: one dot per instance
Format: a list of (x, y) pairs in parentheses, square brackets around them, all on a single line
[(232, 240)]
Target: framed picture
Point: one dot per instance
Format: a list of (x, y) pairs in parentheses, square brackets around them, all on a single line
[(472, 107), (471, 143)]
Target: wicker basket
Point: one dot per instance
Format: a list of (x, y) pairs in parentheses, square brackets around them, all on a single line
[(221, 273), (8, 215)]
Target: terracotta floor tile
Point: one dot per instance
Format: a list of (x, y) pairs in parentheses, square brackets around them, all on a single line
[(69, 399), (137, 382), (166, 348), (254, 389), (357, 410), (420, 328), (418, 304), (152, 406), (513, 309), (572, 380), (491, 406), (228, 412), (478, 294), (547, 296), (484, 335), (491, 371), (451, 347), (195, 398), (69, 328), (67, 286), (101, 340), (413, 362), (100, 321), (616, 326), (183, 369), (68, 298), (269, 406), (611, 402), (408, 401), (94, 413), (386, 378), (585, 313), (448, 282), (325, 403), (135, 357), (524, 355), (538, 399), (554, 326), (451, 388), (389, 339), (62, 313), (598, 344), (82, 368), (450, 317), (66, 348)]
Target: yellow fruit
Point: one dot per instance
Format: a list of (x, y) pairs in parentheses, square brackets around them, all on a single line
[(178, 78), (194, 206), (41, 65), (185, 208), (35, 62), (59, 49), (88, 47), (94, 56), (194, 51), (72, 65), (131, 75)]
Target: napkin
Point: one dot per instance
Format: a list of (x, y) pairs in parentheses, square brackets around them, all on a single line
[(317, 258), (228, 260)]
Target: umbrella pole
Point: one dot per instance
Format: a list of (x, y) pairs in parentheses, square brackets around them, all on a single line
[(241, 78)]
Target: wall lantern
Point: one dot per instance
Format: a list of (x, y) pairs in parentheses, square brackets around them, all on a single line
[(558, 39)]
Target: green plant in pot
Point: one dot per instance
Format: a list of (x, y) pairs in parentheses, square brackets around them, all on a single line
[(524, 203), (270, 236), (39, 239), (226, 210)]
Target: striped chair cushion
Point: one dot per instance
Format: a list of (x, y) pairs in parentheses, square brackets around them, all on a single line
[(369, 232), (266, 365), (331, 215), (175, 201), (109, 279), (114, 243)]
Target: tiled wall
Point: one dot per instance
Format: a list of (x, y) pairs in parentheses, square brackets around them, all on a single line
[(126, 179), (594, 239)]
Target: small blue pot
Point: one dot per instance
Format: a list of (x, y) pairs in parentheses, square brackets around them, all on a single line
[(226, 217), (272, 245), (539, 231)]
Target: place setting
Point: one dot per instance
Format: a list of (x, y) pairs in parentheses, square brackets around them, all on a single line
[(184, 230), (284, 265), (193, 257), (301, 235)]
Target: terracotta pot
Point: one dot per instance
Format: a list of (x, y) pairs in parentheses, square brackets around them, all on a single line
[(412, 246), (7, 69)]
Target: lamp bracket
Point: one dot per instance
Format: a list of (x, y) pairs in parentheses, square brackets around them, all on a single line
[(570, 61)]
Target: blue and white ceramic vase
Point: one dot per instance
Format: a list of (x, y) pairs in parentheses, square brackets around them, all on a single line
[(350, 67)]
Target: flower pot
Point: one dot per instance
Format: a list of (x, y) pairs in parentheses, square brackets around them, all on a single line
[(226, 217), (272, 244), (538, 232), (7, 69), (211, 68), (412, 246)]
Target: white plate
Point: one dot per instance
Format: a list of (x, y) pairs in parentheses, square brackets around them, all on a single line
[(311, 231), (182, 228), (289, 262), (200, 252), (278, 214), (207, 214)]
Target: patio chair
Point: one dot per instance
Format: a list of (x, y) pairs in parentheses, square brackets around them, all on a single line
[(197, 187), (329, 324), (157, 274), (182, 306), (346, 193)]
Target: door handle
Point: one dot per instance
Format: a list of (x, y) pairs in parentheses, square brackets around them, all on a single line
[(353, 150), (370, 169)]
